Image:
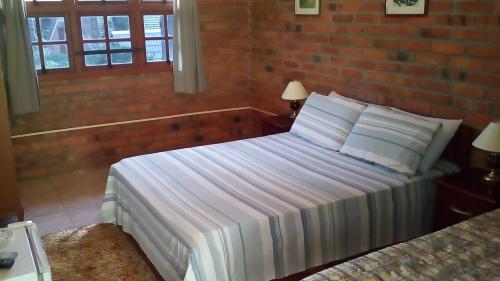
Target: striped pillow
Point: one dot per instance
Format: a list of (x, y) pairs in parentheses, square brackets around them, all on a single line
[(395, 140), (326, 121)]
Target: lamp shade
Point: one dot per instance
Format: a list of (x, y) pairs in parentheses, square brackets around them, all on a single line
[(294, 91), (489, 139)]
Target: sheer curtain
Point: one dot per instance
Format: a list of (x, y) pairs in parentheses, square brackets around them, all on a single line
[(16, 58), (189, 76)]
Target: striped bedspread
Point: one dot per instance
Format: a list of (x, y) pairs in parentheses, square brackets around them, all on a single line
[(261, 208), (467, 251)]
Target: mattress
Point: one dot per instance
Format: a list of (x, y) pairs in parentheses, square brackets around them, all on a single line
[(261, 208), (467, 251)]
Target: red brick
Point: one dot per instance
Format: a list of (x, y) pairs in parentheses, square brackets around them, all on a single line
[(492, 94), (431, 58), (351, 73), (467, 34), (475, 6), (436, 33), (469, 90), (448, 48), (484, 51)]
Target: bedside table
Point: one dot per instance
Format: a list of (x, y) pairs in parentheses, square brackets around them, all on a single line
[(276, 124), (461, 196)]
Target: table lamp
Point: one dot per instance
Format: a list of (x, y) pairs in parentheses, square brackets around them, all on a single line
[(489, 140), (294, 92)]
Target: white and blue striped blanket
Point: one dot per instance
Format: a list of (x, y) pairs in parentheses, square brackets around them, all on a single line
[(261, 208)]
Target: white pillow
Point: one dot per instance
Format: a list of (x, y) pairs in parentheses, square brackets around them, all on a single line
[(395, 140), (440, 140), (326, 121), (337, 95)]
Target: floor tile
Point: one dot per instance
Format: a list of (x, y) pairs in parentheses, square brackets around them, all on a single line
[(52, 223), (84, 217), (64, 201), (38, 199)]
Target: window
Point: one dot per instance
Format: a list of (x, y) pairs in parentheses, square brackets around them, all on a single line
[(87, 36), (158, 32), (106, 40), (49, 42)]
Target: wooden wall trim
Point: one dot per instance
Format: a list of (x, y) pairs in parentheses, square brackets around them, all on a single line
[(140, 121)]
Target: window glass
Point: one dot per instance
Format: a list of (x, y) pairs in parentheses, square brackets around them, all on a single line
[(55, 56), (97, 59), (170, 24), (92, 27), (53, 47), (171, 49), (155, 50), (118, 27), (36, 57), (157, 36), (52, 29), (123, 57), (154, 26), (32, 29)]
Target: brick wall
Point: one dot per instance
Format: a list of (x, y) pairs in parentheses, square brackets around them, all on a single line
[(62, 152), (88, 101), (445, 64), (115, 98)]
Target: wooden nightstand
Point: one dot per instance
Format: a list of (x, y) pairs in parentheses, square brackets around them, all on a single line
[(276, 124), (461, 196)]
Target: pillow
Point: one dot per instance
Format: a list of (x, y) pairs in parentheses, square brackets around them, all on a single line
[(337, 95), (395, 140), (440, 140), (326, 121)]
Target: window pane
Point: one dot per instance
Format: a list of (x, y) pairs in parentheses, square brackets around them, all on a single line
[(94, 60), (170, 25), (171, 49), (155, 50), (32, 29), (43, 0), (52, 29), (118, 27), (56, 56), (154, 26), (36, 57), (121, 58), (92, 27)]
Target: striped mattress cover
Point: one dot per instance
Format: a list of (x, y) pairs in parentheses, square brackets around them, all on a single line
[(261, 208), (469, 250)]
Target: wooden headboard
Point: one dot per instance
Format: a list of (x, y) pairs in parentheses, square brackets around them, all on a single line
[(459, 149)]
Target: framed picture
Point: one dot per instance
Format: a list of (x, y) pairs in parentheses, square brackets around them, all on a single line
[(406, 7), (307, 7)]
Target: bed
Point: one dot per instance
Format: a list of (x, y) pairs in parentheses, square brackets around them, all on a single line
[(466, 251), (262, 208)]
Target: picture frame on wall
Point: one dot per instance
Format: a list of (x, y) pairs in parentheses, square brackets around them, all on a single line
[(406, 7), (307, 7)]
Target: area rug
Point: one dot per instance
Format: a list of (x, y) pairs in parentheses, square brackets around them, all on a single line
[(96, 252)]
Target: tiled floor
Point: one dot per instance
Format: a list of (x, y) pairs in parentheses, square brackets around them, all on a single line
[(64, 202)]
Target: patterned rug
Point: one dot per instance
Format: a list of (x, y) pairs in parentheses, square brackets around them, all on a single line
[(95, 252)]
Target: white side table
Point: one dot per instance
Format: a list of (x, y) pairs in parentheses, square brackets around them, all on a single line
[(31, 263)]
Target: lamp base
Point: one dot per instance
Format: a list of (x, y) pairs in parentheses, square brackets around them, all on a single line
[(492, 179), (294, 106)]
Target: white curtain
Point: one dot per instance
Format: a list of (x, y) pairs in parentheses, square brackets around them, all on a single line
[(189, 76), (16, 58)]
